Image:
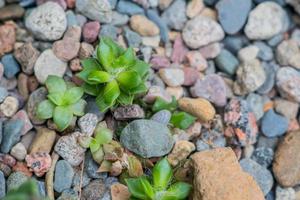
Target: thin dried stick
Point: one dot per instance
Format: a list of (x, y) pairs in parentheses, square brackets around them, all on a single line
[(50, 175)]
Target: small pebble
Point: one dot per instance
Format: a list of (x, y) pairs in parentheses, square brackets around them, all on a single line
[(263, 156), (162, 116), (87, 123), (129, 112), (172, 76), (143, 26), (227, 62), (18, 151), (129, 8), (273, 124), (11, 66), (63, 176), (15, 180), (90, 31)]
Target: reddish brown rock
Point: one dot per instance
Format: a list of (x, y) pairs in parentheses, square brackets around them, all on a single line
[(218, 176), (179, 50), (32, 83), (190, 76), (22, 85), (158, 62), (7, 38), (91, 31), (287, 160), (21, 167), (39, 163), (66, 49)]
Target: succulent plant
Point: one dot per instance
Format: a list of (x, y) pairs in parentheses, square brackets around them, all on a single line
[(160, 187), (114, 75), (64, 101)]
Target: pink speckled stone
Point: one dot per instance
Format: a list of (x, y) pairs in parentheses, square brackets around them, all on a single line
[(91, 31), (39, 163)]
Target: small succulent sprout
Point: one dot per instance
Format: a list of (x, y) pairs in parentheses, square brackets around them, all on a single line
[(161, 104), (114, 75), (160, 187), (64, 101), (182, 120)]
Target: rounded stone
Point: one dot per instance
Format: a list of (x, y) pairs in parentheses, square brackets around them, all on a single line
[(15, 180), (47, 22), (48, 64), (288, 53), (63, 176), (34, 99), (19, 151), (162, 116), (227, 62), (233, 14), (263, 156), (9, 106), (147, 138), (273, 124), (172, 76), (201, 31), (265, 21), (66, 49), (143, 25), (175, 15)]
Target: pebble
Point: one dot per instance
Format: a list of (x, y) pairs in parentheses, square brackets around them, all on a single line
[(43, 141), (177, 92), (119, 19), (34, 99), (11, 11), (3, 94), (109, 31), (2, 4), (86, 50), (11, 134), (68, 148), (265, 52), (201, 31), (241, 123), (158, 62), (71, 18), (68, 194), (288, 83), (66, 49), (265, 21), (47, 22), (199, 107), (286, 160), (87, 123), (262, 176), (163, 27), (211, 50), (129, 112), (263, 156), (48, 64), (22, 85), (11, 66), (22, 167), (91, 167), (270, 70), (162, 117), (2, 185), (119, 192), (227, 62), (27, 139), (9, 106), (232, 14), (286, 108), (179, 50), (219, 164), (191, 75), (147, 138), (154, 92), (90, 31), (15, 180), (194, 8), (94, 190), (77, 179), (26, 55), (63, 176), (212, 87), (98, 10), (143, 25), (235, 43), (181, 150), (18, 151), (285, 193), (196, 60), (39, 163), (7, 38), (22, 115), (256, 105), (248, 53), (172, 76), (288, 53), (250, 76), (175, 15), (129, 8)]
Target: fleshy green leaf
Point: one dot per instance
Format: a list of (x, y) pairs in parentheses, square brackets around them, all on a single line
[(45, 110), (129, 79), (56, 98), (94, 145), (125, 99), (162, 174), (72, 95), (99, 77), (111, 92), (91, 89), (106, 52), (141, 68), (141, 88), (125, 60), (177, 191), (182, 120), (103, 135), (62, 117), (101, 103), (161, 104), (55, 84), (140, 188), (89, 65), (78, 107)]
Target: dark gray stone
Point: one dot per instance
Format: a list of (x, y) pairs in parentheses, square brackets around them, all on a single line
[(11, 134), (129, 112), (92, 107), (94, 191), (147, 138), (263, 156), (68, 194), (42, 188), (91, 167), (233, 14), (34, 99), (63, 176), (262, 176)]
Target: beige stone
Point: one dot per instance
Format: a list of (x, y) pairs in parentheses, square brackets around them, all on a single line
[(287, 160), (181, 150), (218, 176), (43, 141), (143, 25), (119, 192)]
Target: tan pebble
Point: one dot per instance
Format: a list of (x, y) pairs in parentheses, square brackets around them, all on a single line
[(181, 150), (119, 192), (143, 25), (10, 106), (43, 141)]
